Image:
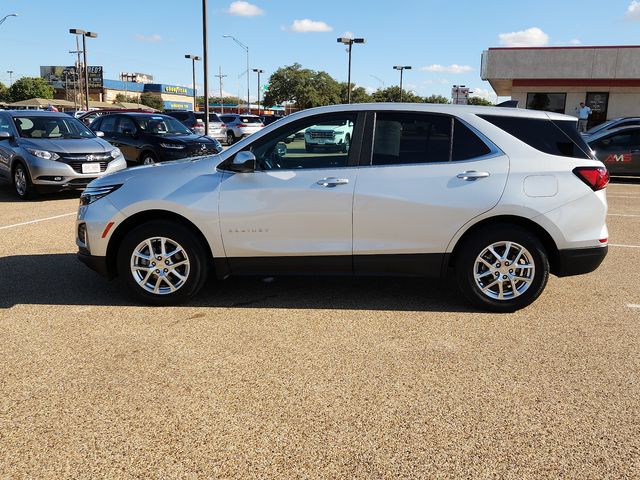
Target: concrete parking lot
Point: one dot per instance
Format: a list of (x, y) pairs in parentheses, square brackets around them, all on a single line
[(312, 378)]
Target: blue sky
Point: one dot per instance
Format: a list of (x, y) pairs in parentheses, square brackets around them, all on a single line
[(442, 40)]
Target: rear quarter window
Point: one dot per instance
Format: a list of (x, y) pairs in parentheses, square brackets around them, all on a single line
[(552, 137)]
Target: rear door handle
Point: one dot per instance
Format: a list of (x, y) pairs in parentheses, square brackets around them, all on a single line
[(472, 175), (332, 181)]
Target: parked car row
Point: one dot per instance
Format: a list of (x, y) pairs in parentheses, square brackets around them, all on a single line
[(228, 128), (44, 151), (617, 144)]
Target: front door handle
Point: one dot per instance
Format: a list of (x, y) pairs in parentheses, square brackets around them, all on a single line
[(472, 175), (332, 181)]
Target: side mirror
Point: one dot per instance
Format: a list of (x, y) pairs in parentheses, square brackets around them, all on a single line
[(243, 162), (6, 136), (99, 134)]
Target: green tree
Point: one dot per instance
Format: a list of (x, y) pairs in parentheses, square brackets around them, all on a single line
[(392, 94), (304, 87), (121, 97), (30, 87), (480, 101), (358, 94), (226, 100), (150, 100), (436, 99), (4, 93)]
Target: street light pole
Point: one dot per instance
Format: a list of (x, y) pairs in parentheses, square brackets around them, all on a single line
[(258, 71), (242, 45), (4, 19), (193, 59), (205, 62), (349, 42), (85, 34), (402, 68)]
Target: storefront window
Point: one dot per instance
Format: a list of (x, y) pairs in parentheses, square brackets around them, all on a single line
[(549, 102)]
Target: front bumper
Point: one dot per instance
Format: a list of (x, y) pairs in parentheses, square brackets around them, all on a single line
[(98, 264), (50, 175), (577, 261)]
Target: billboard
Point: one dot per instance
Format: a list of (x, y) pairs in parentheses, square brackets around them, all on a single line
[(136, 77), (460, 95), (60, 77)]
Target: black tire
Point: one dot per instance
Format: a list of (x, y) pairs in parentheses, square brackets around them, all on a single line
[(231, 138), (194, 252), (148, 158), (21, 181), (344, 148), (496, 236)]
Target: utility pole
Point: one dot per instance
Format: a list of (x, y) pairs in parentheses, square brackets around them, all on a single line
[(258, 71), (205, 64), (77, 85), (220, 76)]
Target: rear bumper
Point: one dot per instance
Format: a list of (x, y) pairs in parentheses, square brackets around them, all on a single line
[(576, 261), (98, 264)]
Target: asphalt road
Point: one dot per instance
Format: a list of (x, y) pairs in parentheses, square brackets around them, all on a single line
[(314, 378)]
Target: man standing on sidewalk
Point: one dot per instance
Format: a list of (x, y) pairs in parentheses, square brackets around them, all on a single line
[(583, 113)]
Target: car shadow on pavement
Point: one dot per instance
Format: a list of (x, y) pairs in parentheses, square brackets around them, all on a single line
[(7, 195), (60, 279)]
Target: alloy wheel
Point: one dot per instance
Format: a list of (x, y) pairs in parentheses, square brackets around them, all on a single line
[(20, 180), (504, 270), (160, 265)]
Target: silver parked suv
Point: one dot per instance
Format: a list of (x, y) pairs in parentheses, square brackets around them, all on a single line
[(240, 126), (49, 151), (499, 197)]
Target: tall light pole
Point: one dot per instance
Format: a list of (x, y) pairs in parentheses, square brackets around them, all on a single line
[(402, 68), (258, 71), (194, 59), (246, 49), (220, 76), (10, 72), (349, 42), (205, 63), (7, 16), (85, 34)]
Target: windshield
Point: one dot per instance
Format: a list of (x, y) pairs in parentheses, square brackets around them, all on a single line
[(51, 127), (602, 126), (162, 125)]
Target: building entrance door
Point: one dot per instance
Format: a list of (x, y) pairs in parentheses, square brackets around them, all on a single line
[(598, 102)]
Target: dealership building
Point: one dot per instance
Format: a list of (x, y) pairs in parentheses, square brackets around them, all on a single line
[(557, 79)]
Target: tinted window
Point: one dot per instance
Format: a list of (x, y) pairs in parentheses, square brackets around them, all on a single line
[(627, 140), (555, 138), (182, 116), (402, 138), (161, 125), (125, 123), (549, 102), (319, 142), (108, 123), (467, 144), (228, 118)]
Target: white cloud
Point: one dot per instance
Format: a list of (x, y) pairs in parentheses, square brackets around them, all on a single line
[(633, 11), (531, 37), (575, 41), (306, 25), (484, 93), (148, 38), (454, 68), (244, 9)]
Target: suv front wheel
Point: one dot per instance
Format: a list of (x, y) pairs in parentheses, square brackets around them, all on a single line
[(502, 268), (162, 263)]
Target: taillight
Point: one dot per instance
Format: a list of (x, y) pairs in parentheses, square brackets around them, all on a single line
[(223, 125), (262, 124), (596, 177)]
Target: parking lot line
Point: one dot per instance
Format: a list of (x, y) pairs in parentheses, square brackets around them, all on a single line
[(623, 196), (37, 221), (623, 246), (633, 305), (622, 215)]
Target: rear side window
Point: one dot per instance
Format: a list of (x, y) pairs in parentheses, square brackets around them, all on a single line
[(466, 144), (213, 117), (553, 137), (402, 138), (250, 120), (228, 118), (182, 116)]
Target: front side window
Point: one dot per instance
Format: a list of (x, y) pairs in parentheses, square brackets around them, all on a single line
[(620, 141), (42, 126), (323, 142), (124, 125), (403, 138), (108, 124), (548, 102)]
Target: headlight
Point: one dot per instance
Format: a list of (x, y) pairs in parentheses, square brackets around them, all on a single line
[(91, 194), (44, 154), (174, 146), (115, 153)]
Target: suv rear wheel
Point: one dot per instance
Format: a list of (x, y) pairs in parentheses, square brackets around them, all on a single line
[(162, 263), (502, 268), (231, 138)]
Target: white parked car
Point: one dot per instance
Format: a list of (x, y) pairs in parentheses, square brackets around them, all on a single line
[(498, 197), (332, 135)]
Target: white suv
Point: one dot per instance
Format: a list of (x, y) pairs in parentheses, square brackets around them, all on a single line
[(498, 197)]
